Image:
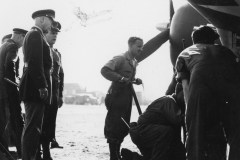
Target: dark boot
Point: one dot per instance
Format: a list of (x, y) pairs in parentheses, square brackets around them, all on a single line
[(54, 144), (114, 152), (126, 154), (38, 155), (129, 155), (46, 150)]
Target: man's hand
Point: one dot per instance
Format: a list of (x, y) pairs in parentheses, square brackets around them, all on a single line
[(43, 93), (60, 102), (138, 81)]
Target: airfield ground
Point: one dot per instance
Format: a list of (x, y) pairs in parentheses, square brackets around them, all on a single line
[(80, 131)]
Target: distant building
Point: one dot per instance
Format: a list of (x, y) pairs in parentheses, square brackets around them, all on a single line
[(73, 93), (71, 89)]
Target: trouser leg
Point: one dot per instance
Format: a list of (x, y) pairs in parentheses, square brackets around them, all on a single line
[(232, 122), (47, 132), (32, 129), (203, 126), (48, 126), (17, 124), (46, 150), (113, 151), (155, 141), (17, 121), (161, 149)]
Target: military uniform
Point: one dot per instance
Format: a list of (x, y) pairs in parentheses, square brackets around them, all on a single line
[(36, 75), (158, 132), (10, 109), (50, 115), (118, 99), (213, 102)]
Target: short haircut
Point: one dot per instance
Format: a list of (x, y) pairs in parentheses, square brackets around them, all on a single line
[(204, 33), (132, 40)]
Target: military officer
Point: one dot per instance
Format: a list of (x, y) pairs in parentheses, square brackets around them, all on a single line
[(10, 109), (50, 114), (35, 84), (121, 71)]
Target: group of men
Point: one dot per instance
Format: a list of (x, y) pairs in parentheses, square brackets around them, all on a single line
[(155, 133), (205, 104), (39, 88)]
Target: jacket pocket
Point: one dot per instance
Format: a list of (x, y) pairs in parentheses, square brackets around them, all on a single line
[(108, 100)]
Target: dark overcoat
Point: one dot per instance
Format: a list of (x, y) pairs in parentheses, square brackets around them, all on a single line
[(11, 121), (37, 67)]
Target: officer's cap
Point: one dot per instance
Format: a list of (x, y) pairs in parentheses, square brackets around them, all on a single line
[(56, 26), (19, 31), (47, 13), (8, 36)]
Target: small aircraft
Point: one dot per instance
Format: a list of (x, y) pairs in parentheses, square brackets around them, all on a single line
[(223, 15)]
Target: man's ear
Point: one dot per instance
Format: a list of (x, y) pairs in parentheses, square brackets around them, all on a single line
[(42, 19)]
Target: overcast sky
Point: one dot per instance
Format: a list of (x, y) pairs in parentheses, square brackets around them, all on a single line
[(85, 49)]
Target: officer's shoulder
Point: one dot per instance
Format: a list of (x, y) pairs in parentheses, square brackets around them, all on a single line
[(10, 44), (33, 35), (168, 98), (33, 32), (120, 56)]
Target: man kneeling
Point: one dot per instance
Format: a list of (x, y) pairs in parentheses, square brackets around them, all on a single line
[(157, 132)]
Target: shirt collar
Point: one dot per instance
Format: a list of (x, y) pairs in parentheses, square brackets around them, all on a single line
[(131, 59)]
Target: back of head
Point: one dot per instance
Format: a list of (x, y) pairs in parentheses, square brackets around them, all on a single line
[(204, 34), (5, 38)]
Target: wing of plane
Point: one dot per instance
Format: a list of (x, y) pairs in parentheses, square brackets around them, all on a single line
[(224, 14)]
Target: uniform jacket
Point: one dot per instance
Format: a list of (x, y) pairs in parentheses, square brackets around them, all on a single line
[(9, 64), (199, 56), (36, 73), (164, 111), (57, 74), (121, 66)]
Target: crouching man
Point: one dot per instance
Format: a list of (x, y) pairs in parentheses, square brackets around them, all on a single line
[(157, 132)]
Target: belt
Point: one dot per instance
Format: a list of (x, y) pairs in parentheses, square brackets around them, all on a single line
[(26, 64)]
